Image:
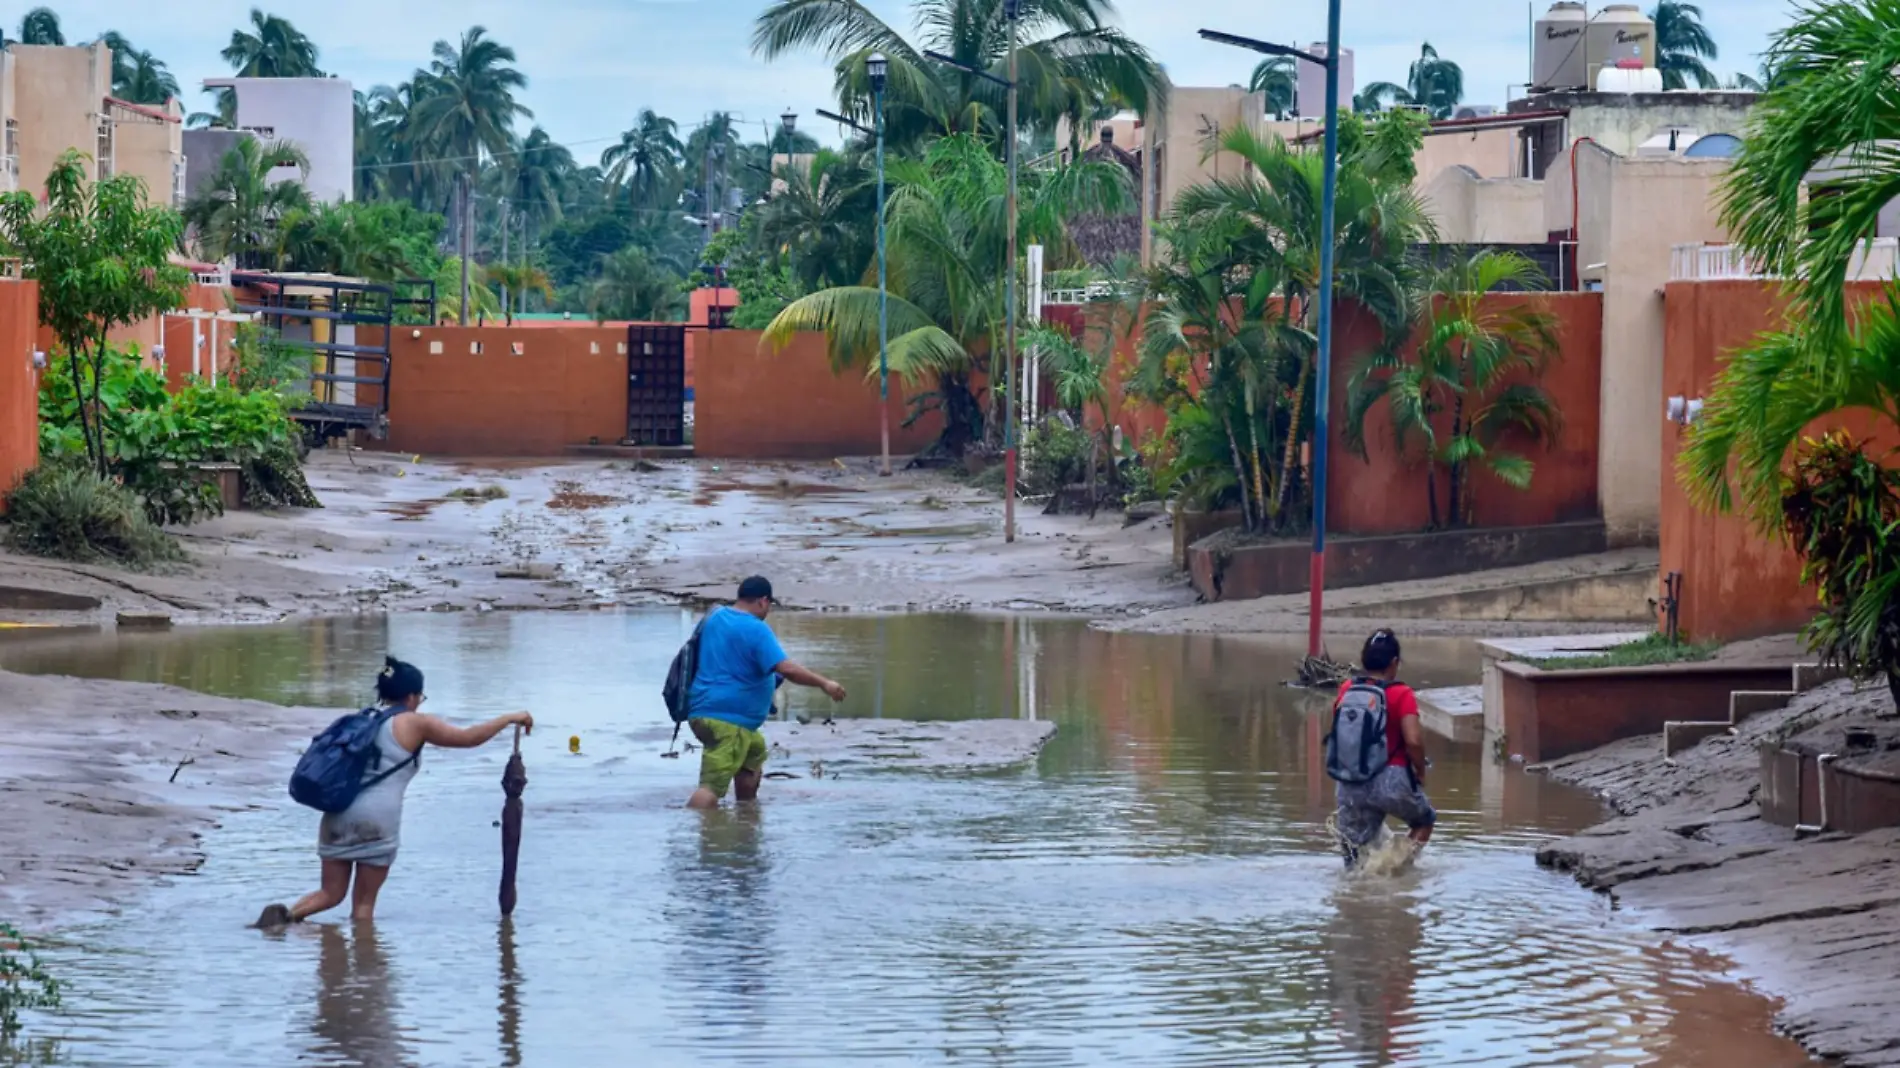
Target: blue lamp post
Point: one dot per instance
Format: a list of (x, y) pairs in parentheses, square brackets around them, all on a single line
[(878, 68), (1322, 400)]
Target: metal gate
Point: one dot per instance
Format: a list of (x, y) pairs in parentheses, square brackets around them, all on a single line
[(656, 384)]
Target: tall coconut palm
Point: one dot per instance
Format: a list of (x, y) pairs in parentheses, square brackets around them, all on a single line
[(1063, 45), (535, 178), (137, 75), (1682, 45), (712, 152), (41, 27), (1278, 79), (468, 110), (271, 48), (1456, 395), (945, 240), (824, 219), (239, 210), (1767, 76), (1433, 83), (646, 160)]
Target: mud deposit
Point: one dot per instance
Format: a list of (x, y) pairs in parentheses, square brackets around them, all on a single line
[(1155, 887)]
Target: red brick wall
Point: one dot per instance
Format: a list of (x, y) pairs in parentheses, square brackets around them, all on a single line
[(19, 383), (1736, 581), (564, 387), (756, 403)]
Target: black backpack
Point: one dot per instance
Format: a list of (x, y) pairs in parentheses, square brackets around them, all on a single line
[(678, 688)]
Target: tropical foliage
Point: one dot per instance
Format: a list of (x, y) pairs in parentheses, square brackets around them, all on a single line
[(1277, 79), (1467, 392), (241, 209), (102, 258), (1433, 83), (1071, 63), (1683, 46), (948, 269)]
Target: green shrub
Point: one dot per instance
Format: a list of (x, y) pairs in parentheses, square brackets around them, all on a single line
[(1055, 455), (24, 981), (1840, 509), (275, 480), (66, 512)]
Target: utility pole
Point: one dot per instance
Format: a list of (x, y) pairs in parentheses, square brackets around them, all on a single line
[(505, 302), (461, 243), (1322, 393)]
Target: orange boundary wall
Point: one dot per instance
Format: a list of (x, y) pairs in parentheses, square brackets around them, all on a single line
[(754, 403), (500, 391), (19, 383)]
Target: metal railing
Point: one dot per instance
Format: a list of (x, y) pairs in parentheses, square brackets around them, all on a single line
[(1082, 294), (1876, 260)]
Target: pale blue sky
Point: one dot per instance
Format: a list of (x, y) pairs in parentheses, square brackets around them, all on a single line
[(593, 63)]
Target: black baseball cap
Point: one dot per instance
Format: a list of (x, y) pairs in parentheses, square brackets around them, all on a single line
[(757, 588)]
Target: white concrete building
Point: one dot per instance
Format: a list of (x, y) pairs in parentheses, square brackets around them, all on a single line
[(318, 115)]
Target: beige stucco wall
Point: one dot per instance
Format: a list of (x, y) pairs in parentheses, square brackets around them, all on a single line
[(151, 149), (1490, 153), (1632, 213), (1179, 135), (1469, 209), (58, 96), (9, 169), (1622, 124)]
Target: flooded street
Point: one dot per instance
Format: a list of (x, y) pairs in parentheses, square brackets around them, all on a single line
[(1158, 887)]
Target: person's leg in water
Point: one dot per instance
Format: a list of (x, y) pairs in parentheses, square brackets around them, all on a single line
[(745, 784), (1356, 823), (334, 888), (1397, 794), (722, 756), (369, 882)]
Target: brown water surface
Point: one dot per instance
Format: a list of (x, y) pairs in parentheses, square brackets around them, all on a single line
[(1157, 888)]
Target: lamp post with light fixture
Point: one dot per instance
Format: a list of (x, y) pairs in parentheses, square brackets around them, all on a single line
[(878, 68)]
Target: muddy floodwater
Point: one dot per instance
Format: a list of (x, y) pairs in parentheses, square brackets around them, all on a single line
[(1156, 888)]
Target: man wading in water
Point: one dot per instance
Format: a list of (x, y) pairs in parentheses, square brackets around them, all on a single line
[(1376, 752), (739, 662)]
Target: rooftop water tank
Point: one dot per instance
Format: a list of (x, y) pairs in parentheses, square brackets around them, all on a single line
[(1557, 50), (1714, 146), (1619, 32), (1629, 80)]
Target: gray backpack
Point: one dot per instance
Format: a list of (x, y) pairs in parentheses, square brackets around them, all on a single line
[(1356, 749)]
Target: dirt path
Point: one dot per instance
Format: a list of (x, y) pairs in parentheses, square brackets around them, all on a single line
[(1817, 920)]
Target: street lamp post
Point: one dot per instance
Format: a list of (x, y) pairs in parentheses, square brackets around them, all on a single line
[(878, 68), (1322, 394), (1012, 10)]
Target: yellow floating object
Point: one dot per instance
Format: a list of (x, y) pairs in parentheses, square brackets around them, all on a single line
[(574, 744)]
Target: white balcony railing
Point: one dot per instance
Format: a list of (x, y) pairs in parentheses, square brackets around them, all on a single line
[(1081, 295), (1877, 260)]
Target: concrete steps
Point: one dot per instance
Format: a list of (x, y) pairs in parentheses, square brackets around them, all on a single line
[(1679, 735), (1454, 712)]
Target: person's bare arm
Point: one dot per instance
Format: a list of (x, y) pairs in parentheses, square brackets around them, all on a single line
[(795, 672), (1414, 735), (442, 733)]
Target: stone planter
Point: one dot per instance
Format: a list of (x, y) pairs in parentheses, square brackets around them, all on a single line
[(1191, 526), (1554, 713)]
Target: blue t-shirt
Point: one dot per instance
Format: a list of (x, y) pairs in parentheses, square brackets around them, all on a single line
[(734, 680)]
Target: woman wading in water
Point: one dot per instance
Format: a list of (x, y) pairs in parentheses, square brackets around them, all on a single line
[(358, 845)]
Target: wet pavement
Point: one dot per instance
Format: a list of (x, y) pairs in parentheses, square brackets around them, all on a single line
[(1157, 887)]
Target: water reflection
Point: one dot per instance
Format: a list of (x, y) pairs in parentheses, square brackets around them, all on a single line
[(357, 1012), (1158, 888)]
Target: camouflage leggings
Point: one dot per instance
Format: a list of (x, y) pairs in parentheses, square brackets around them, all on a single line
[(1363, 806)]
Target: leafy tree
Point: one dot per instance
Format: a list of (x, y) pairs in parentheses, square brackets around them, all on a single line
[(1468, 364), (41, 27), (824, 220), (1433, 83), (102, 257), (379, 241), (947, 268), (517, 279), (1682, 45), (646, 161), (271, 48), (630, 286), (1277, 78), (1070, 61), (238, 212)]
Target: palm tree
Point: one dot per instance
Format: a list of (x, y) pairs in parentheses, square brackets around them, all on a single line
[(1066, 48), (271, 48), (41, 27), (711, 151), (535, 178), (239, 211), (1433, 83), (1278, 79), (646, 161), (1682, 44), (631, 286), (517, 279), (356, 240), (145, 79), (1467, 350), (468, 110), (946, 246), (824, 219)]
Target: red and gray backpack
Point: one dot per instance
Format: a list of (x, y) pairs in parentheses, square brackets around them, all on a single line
[(1356, 749)]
